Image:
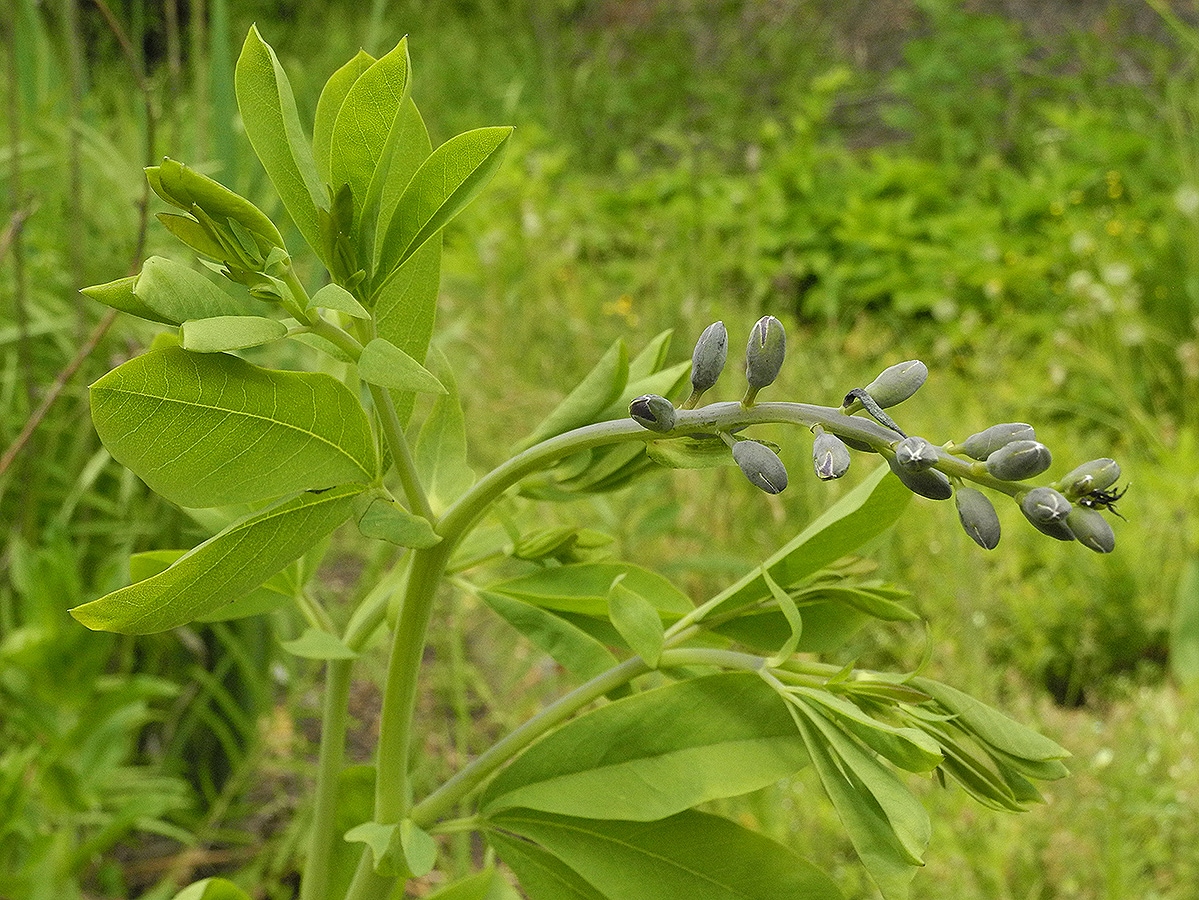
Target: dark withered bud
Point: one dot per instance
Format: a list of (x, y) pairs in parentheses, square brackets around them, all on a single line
[(829, 455), (761, 466), (915, 454), (1091, 529), (653, 412), (1018, 460), (707, 362), (980, 446), (1047, 510), (978, 517), (765, 352), (1096, 475), (898, 382), (931, 483)]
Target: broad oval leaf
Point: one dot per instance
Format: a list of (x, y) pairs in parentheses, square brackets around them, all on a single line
[(275, 592), (223, 568), (334, 296), (272, 123), (385, 364), (221, 333), (690, 856), (446, 182), (177, 293), (583, 588), (659, 752), (206, 429), (120, 295), (333, 95), (637, 621), (383, 519), (542, 875)]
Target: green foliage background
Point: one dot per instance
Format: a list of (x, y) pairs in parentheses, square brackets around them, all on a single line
[(1016, 202)]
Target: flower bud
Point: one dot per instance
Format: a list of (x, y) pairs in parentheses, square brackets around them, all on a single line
[(915, 454), (765, 352), (1047, 510), (761, 466), (980, 446), (898, 382), (653, 412), (830, 455), (931, 483), (1019, 460), (978, 517), (707, 362), (1091, 529), (1096, 475)]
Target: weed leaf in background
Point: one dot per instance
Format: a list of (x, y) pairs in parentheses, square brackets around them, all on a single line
[(223, 568), (205, 429), (272, 123), (690, 855)]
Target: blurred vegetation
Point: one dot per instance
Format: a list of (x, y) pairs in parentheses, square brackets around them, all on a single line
[(1015, 201)]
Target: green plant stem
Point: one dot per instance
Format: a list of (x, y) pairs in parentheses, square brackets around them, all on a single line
[(334, 721), (393, 432)]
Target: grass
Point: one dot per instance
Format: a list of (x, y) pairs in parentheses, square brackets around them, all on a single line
[(652, 190)]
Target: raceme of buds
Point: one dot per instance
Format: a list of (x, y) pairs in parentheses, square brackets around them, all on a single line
[(980, 446), (1096, 475), (1047, 510), (931, 483), (978, 517), (1091, 529), (653, 412), (765, 352), (1018, 460), (915, 454), (761, 466), (707, 361), (898, 382), (829, 455)]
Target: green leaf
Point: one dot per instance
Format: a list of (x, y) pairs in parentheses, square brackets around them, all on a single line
[(583, 588), (316, 643), (334, 296), (177, 293), (385, 364), (333, 95), (1184, 626), (385, 520), (221, 333), (120, 295), (211, 429), (864, 513), (569, 646), (827, 626), (637, 621), (440, 452), (486, 885), (690, 453), (223, 568), (541, 874), (657, 753), (686, 857), (272, 123), (368, 126), (188, 189), (445, 183), (411, 147), (908, 748), (401, 849), (276, 591), (888, 827), (790, 612), (405, 308), (600, 387), (212, 889), (651, 359)]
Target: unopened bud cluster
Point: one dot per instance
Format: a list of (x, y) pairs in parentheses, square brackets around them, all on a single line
[(1002, 457)]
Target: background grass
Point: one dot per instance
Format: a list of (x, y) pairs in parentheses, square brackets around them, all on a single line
[(1012, 200)]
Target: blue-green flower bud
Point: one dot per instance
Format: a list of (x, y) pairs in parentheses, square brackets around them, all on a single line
[(761, 466), (931, 483), (1096, 475), (1091, 529), (980, 446), (707, 362), (1047, 510), (653, 412), (830, 455), (978, 517), (1019, 460), (898, 382), (765, 352), (915, 454)]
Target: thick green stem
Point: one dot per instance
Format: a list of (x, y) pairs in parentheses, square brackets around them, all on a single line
[(315, 884), (393, 431)]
